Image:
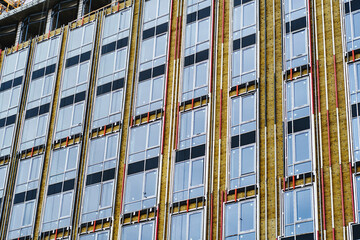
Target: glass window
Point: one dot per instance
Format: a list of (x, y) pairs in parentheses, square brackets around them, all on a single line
[(25, 198), (295, 39), (298, 212), (59, 200), (240, 220), (3, 177), (142, 169), (195, 81), (154, 9), (188, 179), (352, 26), (140, 231), (195, 77), (12, 77), (243, 155), (149, 95), (140, 191), (98, 195), (354, 82), (298, 117), (187, 226), (75, 81), (192, 128), (103, 235), (243, 58)]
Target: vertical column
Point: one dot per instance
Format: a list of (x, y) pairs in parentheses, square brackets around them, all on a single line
[(240, 206), (33, 136)]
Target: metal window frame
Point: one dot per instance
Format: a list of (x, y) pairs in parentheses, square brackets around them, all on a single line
[(182, 51), (203, 219), (256, 144), (286, 34), (239, 203), (310, 130), (282, 205), (256, 45)]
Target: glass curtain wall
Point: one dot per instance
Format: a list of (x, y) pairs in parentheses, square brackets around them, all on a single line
[(103, 151), (63, 164), (34, 134)]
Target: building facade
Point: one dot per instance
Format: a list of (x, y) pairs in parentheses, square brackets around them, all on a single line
[(181, 120)]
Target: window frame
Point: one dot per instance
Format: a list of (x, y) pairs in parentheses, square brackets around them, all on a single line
[(141, 224), (188, 214), (96, 234), (295, 221), (6, 76), (189, 186), (349, 40), (239, 205), (145, 157), (292, 136), (102, 183), (28, 182), (117, 74), (241, 50), (255, 145), (155, 61), (50, 95), (61, 193), (289, 15), (192, 123), (198, 47), (70, 53)]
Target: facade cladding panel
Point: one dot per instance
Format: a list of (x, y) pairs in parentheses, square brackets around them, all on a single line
[(195, 119)]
